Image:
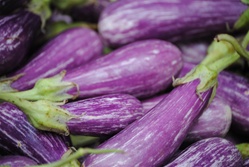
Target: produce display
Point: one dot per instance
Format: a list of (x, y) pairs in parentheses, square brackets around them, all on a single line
[(124, 83)]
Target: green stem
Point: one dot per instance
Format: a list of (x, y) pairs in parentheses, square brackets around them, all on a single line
[(237, 47), (244, 149), (245, 40), (79, 153), (243, 21)]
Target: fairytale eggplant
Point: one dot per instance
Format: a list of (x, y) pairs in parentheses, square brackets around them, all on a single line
[(70, 49), (127, 21), (16, 161), (18, 136), (215, 151)]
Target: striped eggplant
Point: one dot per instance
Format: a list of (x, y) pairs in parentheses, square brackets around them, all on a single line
[(103, 115), (18, 136), (127, 21), (168, 122), (215, 120), (70, 49), (8, 6), (16, 161), (246, 163), (214, 151), (18, 31)]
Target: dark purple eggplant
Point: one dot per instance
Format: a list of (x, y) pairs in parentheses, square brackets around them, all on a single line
[(18, 136), (215, 120), (103, 115), (70, 49), (215, 151), (16, 161), (154, 138), (8, 6), (127, 21), (18, 31)]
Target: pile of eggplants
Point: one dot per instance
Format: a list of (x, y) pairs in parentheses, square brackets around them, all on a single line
[(172, 90)]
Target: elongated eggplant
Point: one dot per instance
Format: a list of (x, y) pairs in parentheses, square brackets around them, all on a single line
[(215, 120), (103, 115), (18, 31), (18, 136), (16, 161), (215, 151), (70, 49), (168, 122), (131, 20), (8, 6)]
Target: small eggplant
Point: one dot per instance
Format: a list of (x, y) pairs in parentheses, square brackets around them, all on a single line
[(16, 161)]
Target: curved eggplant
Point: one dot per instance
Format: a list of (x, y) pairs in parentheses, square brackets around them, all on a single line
[(127, 21), (215, 151), (70, 49), (16, 161), (18, 31), (18, 136)]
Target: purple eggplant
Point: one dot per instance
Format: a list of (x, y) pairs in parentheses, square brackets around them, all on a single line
[(127, 21), (8, 6), (215, 151), (18, 31), (246, 163), (215, 120), (154, 138), (18, 136), (70, 49), (16, 161), (103, 115)]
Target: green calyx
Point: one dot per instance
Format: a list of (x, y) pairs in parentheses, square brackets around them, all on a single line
[(6, 82), (71, 160), (244, 149), (52, 89), (42, 114), (224, 51), (41, 8), (67, 5)]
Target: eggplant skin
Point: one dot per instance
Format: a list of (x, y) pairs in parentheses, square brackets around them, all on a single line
[(127, 21), (18, 136), (68, 50), (16, 161), (17, 34), (103, 115), (154, 138), (8, 6), (141, 69), (215, 151)]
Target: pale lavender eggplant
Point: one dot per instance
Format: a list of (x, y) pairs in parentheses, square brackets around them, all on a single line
[(154, 138), (208, 152), (70, 49), (18, 136), (141, 69), (127, 21), (16, 161), (103, 115), (17, 34), (8, 6), (215, 121)]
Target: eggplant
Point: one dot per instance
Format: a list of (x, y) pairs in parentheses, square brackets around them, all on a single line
[(215, 121), (8, 6), (16, 161), (70, 49), (103, 115), (168, 122), (18, 31), (214, 151), (127, 21), (18, 136), (246, 163)]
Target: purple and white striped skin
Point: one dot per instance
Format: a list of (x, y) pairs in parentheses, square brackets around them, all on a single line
[(246, 162), (141, 69), (70, 49), (215, 120), (127, 21), (17, 34), (8, 6), (18, 136), (16, 161), (103, 115), (208, 152), (154, 138)]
